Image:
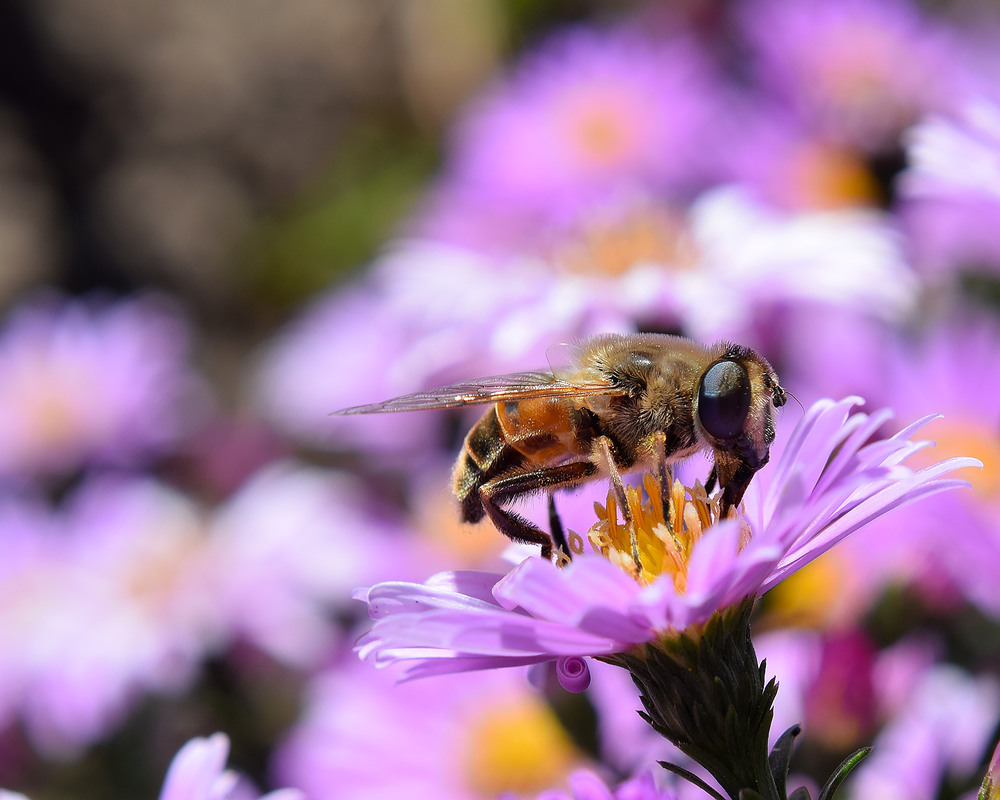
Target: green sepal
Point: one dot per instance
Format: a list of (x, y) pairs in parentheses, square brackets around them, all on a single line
[(780, 757), (841, 773), (690, 777), (802, 793)]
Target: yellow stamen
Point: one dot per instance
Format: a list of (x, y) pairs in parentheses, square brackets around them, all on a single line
[(650, 540)]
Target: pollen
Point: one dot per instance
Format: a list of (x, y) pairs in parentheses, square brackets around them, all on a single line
[(657, 529)]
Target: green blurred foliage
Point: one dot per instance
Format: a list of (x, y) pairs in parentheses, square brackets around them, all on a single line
[(338, 222)]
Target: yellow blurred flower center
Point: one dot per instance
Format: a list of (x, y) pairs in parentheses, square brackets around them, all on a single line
[(598, 130), (827, 177), (964, 437), (646, 235), (517, 746), (50, 397), (650, 540), (809, 597)]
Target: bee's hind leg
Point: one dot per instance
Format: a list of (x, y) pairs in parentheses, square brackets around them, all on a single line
[(495, 493)]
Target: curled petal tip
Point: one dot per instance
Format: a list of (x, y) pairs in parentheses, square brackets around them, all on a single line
[(573, 673)]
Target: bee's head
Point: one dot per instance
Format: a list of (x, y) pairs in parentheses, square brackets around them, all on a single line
[(733, 412)]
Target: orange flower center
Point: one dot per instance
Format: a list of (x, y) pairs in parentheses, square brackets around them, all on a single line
[(657, 533)]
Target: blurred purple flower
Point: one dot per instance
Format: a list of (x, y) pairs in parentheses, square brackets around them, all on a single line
[(956, 156), (837, 63), (472, 737), (933, 371), (587, 785), (935, 720), (198, 773), (83, 382), (834, 476), (943, 730), (288, 547), (948, 237), (109, 598), (589, 113)]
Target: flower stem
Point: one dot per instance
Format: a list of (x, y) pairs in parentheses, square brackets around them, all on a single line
[(704, 690)]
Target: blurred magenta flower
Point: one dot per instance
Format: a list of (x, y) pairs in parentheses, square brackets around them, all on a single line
[(836, 63), (84, 382), (934, 720), (588, 114), (834, 476), (471, 737)]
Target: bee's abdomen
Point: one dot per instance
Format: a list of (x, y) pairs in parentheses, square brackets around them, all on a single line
[(486, 455)]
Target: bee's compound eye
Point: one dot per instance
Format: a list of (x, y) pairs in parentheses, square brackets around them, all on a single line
[(724, 399)]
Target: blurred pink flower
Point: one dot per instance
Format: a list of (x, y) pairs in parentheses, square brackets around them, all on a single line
[(587, 785), (471, 737), (589, 113), (289, 547), (834, 476), (837, 63), (944, 729), (99, 602), (198, 772), (960, 155), (86, 381)]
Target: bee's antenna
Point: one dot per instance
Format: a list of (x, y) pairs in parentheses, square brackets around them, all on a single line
[(796, 400)]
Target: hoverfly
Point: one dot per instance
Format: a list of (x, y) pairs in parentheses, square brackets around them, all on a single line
[(623, 402)]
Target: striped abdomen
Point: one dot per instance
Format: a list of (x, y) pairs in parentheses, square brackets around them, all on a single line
[(516, 436)]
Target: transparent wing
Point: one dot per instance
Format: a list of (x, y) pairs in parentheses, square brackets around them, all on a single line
[(494, 389)]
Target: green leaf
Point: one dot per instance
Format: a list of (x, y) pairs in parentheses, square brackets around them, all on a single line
[(841, 773), (781, 756)]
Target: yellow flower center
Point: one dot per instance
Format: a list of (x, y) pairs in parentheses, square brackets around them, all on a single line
[(963, 437), (517, 746), (809, 597), (651, 539), (646, 235), (827, 177), (599, 128)]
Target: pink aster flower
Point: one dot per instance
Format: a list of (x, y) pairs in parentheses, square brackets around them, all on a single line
[(833, 476), (83, 382), (472, 737)]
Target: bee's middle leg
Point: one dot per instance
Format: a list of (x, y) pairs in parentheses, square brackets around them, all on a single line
[(496, 492)]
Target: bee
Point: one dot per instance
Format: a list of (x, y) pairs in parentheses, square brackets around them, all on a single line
[(620, 403)]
